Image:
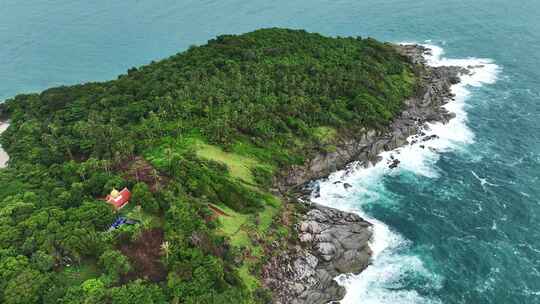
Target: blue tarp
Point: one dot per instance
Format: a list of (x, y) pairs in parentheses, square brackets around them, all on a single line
[(121, 221)]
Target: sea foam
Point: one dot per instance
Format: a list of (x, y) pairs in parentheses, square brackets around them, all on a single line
[(383, 281)]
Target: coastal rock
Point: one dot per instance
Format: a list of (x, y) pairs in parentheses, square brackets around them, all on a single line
[(333, 242), (430, 137), (394, 164)]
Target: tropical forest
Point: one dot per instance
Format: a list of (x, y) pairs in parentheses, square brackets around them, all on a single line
[(198, 141)]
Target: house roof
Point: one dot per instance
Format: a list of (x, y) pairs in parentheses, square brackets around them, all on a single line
[(119, 199)]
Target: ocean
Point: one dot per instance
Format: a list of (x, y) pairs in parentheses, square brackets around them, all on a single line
[(457, 221)]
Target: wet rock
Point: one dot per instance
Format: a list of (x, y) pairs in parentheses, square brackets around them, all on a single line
[(478, 66), (430, 137), (334, 242), (394, 164), (347, 185)]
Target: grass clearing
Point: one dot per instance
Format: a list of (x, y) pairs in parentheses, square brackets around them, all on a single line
[(242, 230), (76, 274), (239, 165), (160, 153), (266, 217), (235, 227), (232, 226), (325, 134), (245, 275), (239, 162), (238, 226)]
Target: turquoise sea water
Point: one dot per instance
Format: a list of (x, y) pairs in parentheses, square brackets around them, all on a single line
[(457, 226)]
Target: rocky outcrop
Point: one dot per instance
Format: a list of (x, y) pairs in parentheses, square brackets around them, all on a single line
[(332, 242)]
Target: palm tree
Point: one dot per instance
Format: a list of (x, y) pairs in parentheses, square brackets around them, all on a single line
[(169, 153), (155, 175), (166, 248)]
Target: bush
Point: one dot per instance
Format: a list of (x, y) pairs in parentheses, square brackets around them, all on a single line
[(262, 175), (142, 196), (114, 263)]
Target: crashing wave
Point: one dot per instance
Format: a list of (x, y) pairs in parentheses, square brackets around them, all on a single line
[(382, 282)]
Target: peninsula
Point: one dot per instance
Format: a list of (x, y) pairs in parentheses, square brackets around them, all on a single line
[(213, 149)]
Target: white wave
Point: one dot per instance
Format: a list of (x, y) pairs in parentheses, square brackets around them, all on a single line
[(371, 286), (483, 181), (381, 281)]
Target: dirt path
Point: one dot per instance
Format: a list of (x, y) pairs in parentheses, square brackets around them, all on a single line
[(217, 210)]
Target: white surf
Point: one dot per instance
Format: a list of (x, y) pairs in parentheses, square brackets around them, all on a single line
[(382, 282)]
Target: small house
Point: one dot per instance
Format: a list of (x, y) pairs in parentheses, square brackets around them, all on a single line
[(118, 198)]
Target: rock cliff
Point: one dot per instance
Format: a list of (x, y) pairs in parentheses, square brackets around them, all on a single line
[(332, 242)]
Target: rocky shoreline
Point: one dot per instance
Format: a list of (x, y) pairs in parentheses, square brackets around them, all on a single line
[(332, 242)]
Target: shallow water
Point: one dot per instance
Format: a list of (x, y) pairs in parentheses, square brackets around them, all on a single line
[(457, 226)]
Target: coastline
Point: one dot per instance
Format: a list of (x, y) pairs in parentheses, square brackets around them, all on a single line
[(4, 157), (333, 242)]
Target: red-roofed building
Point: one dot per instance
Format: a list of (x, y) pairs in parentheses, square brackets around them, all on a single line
[(119, 199)]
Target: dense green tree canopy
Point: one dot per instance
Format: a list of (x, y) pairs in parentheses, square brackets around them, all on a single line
[(198, 138), (269, 85)]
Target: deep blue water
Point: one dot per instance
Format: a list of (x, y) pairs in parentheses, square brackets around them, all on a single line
[(453, 238)]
